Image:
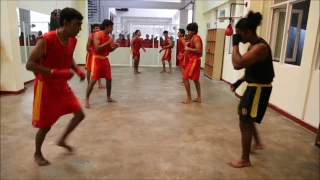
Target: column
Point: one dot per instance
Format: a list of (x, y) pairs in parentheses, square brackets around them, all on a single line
[(80, 52), (11, 74)]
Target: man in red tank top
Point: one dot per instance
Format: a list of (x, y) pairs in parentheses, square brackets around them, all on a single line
[(167, 46), (192, 71), (51, 61), (90, 46), (104, 44), (181, 52), (136, 44)]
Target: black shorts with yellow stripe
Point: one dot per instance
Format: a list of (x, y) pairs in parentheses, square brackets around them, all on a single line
[(254, 102)]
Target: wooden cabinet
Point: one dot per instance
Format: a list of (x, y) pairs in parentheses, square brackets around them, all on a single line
[(214, 53)]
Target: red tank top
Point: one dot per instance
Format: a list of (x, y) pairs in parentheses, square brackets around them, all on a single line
[(166, 42), (191, 45), (180, 45), (104, 39), (136, 44), (57, 55), (91, 43)]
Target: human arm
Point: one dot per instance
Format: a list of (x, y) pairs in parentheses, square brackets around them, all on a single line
[(80, 73), (141, 45), (256, 53), (197, 44), (88, 44), (34, 59), (235, 85), (96, 41)]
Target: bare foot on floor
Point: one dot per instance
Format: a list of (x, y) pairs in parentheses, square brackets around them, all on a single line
[(186, 101), (182, 83), (258, 147), (170, 72), (102, 86), (64, 145), (40, 160), (87, 105), (112, 100), (197, 100), (239, 164), (139, 72), (162, 71)]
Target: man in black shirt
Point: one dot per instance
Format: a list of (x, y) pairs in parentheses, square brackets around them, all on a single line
[(259, 74)]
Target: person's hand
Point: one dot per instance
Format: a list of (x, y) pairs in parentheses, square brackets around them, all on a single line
[(236, 39), (160, 50), (80, 74), (63, 73), (187, 48), (188, 43), (115, 45), (144, 50), (235, 85), (110, 40)]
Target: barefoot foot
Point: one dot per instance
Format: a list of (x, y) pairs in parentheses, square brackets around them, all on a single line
[(112, 100), (102, 86), (186, 101), (162, 71), (239, 164), (87, 105), (181, 83), (170, 72), (139, 72), (258, 147), (40, 160), (64, 145), (198, 100)]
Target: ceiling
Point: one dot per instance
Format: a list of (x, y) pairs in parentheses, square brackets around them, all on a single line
[(147, 4)]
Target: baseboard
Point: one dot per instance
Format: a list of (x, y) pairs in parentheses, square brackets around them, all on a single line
[(28, 82), (284, 113), (12, 92)]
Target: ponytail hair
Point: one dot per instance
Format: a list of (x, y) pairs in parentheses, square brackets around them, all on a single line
[(250, 22)]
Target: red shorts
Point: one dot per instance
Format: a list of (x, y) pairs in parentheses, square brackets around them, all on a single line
[(88, 62), (100, 68), (167, 55), (184, 62), (135, 54), (52, 100), (192, 70)]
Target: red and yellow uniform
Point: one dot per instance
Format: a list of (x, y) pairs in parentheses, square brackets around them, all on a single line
[(135, 49), (182, 57), (127, 44), (147, 43), (52, 95), (89, 54), (167, 54), (192, 70), (100, 62)]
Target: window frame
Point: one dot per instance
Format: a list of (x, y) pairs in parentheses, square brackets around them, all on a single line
[(287, 23)]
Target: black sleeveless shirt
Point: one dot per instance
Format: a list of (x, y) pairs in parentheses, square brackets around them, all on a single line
[(261, 72)]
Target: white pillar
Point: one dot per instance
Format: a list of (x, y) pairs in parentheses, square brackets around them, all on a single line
[(11, 70), (80, 52)]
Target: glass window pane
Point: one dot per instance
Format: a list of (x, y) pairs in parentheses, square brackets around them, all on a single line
[(297, 31), (279, 16)]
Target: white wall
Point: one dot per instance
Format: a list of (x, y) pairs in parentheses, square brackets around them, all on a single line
[(312, 108), (11, 76), (44, 7), (295, 88)]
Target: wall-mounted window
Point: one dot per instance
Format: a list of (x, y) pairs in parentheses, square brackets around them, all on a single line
[(288, 29)]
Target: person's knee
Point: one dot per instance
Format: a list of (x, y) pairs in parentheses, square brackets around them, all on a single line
[(79, 115), (45, 130)]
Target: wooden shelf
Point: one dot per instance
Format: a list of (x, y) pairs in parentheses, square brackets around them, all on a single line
[(214, 53)]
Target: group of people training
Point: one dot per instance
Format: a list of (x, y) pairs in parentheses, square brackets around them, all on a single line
[(53, 65)]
